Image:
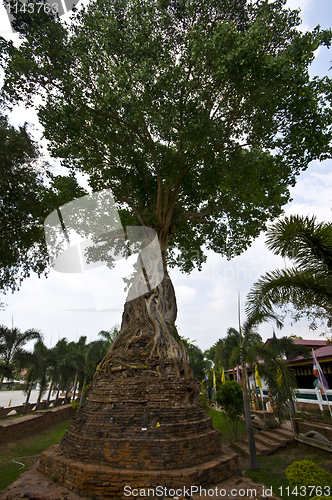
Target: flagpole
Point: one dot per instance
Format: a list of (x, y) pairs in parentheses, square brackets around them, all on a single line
[(328, 402), (321, 379)]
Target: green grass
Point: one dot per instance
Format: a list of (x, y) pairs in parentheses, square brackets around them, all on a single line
[(272, 468), (31, 447), (219, 421)]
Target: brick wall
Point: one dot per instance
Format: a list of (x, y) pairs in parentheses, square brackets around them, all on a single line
[(30, 424)]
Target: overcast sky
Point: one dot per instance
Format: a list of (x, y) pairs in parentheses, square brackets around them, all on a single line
[(62, 305)]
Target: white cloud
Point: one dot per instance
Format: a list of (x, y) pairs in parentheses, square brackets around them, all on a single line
[(185, 294)]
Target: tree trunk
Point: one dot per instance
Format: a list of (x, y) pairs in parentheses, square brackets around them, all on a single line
[(247, 414), (49, 395), (82, 392), (57, 397), (38, 401), (143, 395), (27, 400), (148, 335), (66, 395), (74, 390)]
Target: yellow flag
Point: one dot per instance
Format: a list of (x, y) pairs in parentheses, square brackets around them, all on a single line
[(279, 377), (214, 380), (258, 378), (223, 376)]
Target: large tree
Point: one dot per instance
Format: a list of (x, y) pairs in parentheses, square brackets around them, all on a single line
[(198, 115), (28, 192)]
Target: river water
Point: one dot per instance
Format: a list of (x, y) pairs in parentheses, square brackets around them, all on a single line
[(16, 398)]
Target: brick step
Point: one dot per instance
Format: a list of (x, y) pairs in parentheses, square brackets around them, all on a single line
[(268, 442), (261, 449), (241, 448), (282, 439), (288, 434)]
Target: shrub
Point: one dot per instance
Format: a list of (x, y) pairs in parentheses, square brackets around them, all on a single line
[(306, 473), (321, 498), (230, 398)]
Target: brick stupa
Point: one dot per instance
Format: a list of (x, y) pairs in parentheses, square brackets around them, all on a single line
[(142, 425)]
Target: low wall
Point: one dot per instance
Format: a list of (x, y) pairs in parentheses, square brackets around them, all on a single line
[(18, 410), (314, 434), (303, 426), (30, 424)]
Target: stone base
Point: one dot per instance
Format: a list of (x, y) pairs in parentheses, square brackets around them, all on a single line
[(35, 486), (88, 479)]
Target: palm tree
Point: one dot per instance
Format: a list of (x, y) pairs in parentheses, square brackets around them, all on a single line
[(307, 285), (244, 333), (286, 348), (37, 364), (93, 354), (238, 346), (198, 364), (12, 342), (109, 335)]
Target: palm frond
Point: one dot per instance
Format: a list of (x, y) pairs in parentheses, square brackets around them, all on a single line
[(303, 240), (301, 288)]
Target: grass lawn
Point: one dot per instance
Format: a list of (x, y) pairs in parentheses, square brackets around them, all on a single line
[(272, 471), (220, 422), (31, 447)]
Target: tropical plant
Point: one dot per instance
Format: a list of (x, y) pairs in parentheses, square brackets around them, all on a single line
[(36, 365), (197, 114), (230, 397), (198, 363), (109, 335), (287, 349), (12, 342), (308, 285), (93, 355), (67, 361), (246, 331), (280, 380)]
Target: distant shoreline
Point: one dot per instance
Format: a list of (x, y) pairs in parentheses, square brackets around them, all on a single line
[(16, 398)]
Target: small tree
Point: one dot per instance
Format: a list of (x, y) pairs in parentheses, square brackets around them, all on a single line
[(198, 364), (230, 398)]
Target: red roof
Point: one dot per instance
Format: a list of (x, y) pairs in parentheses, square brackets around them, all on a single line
[(310, 343), (321, 354)]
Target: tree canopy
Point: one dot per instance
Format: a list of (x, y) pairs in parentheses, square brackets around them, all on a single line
[(28, 193), (198, 115)]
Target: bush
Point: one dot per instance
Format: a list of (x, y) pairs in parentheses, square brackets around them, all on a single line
[(230, 398), (321, 498), (307, 473)]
